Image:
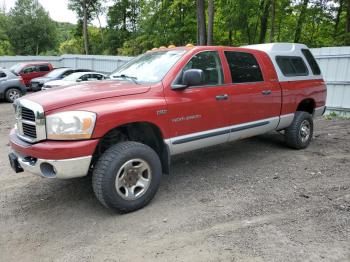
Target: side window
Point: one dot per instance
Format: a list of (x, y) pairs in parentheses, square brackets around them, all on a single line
[(292, 65), (85, 77), (43, 68), (312, 62), (244, 67), (29, 69), (210, 63), (2, 74), (97, 76)]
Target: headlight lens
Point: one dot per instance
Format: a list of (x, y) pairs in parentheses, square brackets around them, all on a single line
[(70, 125)]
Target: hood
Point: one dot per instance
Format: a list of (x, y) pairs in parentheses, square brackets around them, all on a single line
[(41, 79), (79, 93), (59, 83)]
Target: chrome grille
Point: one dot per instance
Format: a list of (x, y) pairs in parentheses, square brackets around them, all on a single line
[(29, 130), (28, 114), (30, 118)]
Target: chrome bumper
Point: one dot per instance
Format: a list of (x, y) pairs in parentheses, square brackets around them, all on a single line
[(61, 169)]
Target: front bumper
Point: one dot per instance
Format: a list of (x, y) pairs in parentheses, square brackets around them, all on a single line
[(54, 159), (62, 169)]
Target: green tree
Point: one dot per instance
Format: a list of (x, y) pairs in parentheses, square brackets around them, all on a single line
[(30, 29), (86, 10), (5, 46)]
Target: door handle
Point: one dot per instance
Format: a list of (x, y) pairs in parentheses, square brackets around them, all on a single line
[(222, 97), (266, 92)]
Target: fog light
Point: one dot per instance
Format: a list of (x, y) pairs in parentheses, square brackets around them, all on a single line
[(47, 170)]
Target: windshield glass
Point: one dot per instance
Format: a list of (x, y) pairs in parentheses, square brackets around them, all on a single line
[(73, 77), (16, 68), (56, 72), (149, 67)]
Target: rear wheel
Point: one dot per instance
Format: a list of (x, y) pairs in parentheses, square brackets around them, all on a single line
[(12, 94), (299, 133), (127, 176)]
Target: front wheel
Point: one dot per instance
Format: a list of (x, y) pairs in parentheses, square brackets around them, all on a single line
[(127, 176), (12, 94), (299, 133)]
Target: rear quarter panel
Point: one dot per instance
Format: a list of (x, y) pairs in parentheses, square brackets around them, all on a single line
[(294, 92)]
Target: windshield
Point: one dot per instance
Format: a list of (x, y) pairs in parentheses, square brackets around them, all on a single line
[(149, 67), (73, 77), (56, 72), (16, 68)]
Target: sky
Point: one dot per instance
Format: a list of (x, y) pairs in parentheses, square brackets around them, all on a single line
[(58, 10)]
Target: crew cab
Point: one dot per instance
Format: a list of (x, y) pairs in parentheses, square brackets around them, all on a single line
[(165, 102)]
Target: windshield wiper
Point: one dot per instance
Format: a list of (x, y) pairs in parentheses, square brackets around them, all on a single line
[(132, 78)]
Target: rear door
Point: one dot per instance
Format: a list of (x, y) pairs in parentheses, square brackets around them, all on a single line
[(42, 70), (255, 102), (28, 73), (197, 114)]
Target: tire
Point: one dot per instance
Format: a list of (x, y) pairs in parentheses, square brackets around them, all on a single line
[(12, 94), (299, 134), (118, 173)]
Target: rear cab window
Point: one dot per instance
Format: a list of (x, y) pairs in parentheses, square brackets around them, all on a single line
[(244, 67), (292, 66)]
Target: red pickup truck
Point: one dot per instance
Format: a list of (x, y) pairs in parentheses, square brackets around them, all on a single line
[(167, 101), (31, 70)]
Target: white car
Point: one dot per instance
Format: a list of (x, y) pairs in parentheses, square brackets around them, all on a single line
[(75, 78)]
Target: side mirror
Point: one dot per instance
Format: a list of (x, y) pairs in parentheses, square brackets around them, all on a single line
[(79, 80), (191, 77)]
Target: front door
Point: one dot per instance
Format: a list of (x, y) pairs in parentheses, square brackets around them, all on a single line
[(197, 114)]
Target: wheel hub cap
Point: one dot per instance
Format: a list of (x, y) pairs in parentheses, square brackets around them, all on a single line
[(14, 95), (133, 179), (305, 130)]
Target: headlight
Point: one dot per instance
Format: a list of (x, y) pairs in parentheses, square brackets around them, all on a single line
[(70, 125)]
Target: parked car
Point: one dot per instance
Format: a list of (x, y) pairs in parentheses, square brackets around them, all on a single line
[(31, 70), (36, 84), (11, 86), (162, 103), (75, 78)]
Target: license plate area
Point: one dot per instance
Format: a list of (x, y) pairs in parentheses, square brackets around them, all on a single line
[(14, 163)]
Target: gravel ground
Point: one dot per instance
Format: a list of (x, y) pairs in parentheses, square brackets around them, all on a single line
[(253, 200)]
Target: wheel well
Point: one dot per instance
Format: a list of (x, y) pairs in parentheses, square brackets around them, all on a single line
[(307, 105), (11, 87), (143, 132)]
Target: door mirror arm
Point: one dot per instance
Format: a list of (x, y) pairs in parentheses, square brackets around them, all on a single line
[(178, 86)]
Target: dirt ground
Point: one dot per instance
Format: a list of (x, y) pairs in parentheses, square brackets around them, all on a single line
[(253, 200)]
